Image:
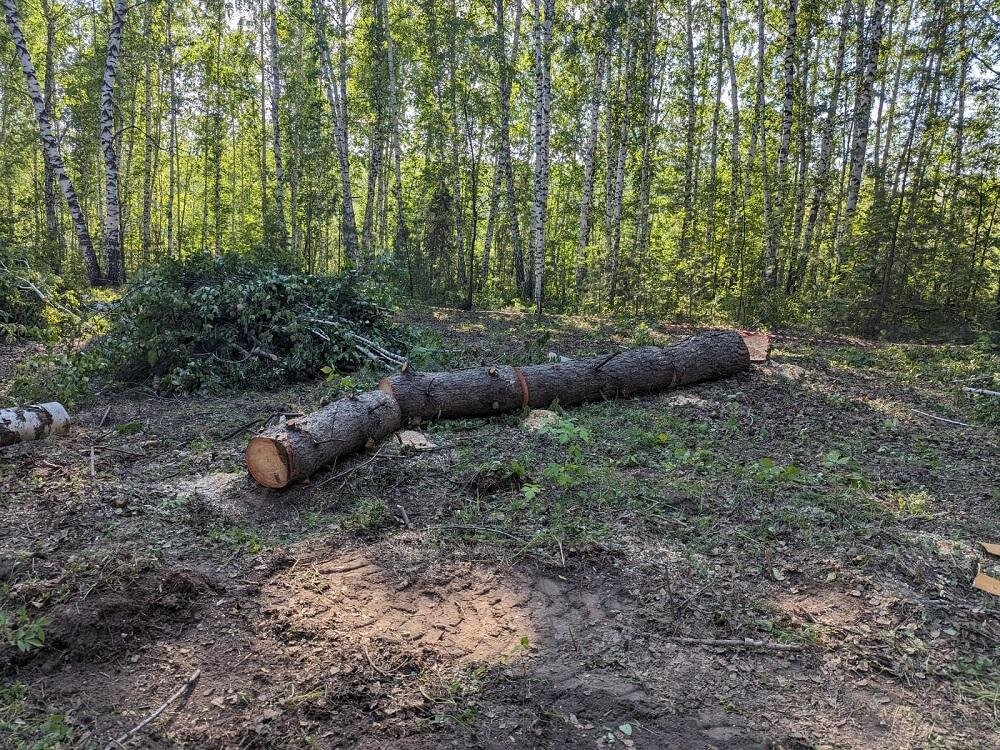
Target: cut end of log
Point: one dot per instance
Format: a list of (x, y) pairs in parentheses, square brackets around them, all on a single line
[(758, 344), (269, 462)]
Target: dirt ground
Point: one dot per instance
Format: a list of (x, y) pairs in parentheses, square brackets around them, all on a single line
[(518, 588)]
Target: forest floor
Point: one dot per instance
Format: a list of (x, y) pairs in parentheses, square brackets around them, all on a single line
[(518, 588)]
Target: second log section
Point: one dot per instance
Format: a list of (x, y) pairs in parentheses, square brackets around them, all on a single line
[(295, 449)]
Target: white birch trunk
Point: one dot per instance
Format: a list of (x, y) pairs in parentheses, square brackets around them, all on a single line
[(113, 252), (491, 223), (279, 168), (817, 208), (590, 150), (863, 116), (50, 146), (334, 91), (543, 94), (774, 236), (400, 237)]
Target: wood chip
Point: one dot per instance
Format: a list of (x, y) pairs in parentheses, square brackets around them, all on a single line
[(986, 583), (992, 548), (415, 440)]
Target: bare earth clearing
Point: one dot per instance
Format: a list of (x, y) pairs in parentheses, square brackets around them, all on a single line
[(512, 588)]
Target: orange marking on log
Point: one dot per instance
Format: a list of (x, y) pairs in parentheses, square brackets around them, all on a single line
[(524, 386)]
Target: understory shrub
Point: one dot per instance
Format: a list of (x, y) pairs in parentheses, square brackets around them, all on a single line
[(210, 322), (21, 310)]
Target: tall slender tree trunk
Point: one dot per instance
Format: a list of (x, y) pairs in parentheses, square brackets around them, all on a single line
[(615, 177), (759, 139), (507, 162), (818, 204), (50, 146), (338, 109), (713, 149), (49, 182), (543, 93), (862, 116), (172, 132), (279, 167), (650, 112), (148, 170), (772, 260), (400, 237), (113, 250), (490, 225), (457, 146), (736, 167), (690, 122), (589, 151)]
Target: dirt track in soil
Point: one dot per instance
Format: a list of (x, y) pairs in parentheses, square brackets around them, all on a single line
[(310, 628)]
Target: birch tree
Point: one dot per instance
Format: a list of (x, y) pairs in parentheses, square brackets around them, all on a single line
[(50, 146), (544, 13)]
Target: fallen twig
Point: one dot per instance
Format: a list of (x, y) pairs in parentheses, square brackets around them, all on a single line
[(184, 688), (738, 643), (981, 391), (105, 417), (941, 419), (352, 469)]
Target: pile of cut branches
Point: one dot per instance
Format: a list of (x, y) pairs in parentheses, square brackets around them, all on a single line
[(210, 322)]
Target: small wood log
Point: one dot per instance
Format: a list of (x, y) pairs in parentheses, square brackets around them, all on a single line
[(32, 423), (477, 392), (294, 450)]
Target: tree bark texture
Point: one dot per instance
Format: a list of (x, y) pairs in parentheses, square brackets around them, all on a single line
[(113, 252), (32, 423), (292, 451)]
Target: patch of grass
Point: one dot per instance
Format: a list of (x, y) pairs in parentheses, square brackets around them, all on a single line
[(977, 679), (237, 538), (24, 730), (371, 515)]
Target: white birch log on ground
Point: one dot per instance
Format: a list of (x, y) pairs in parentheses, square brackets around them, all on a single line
[(294, 450), (35, 422)]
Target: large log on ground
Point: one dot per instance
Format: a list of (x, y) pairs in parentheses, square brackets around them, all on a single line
[(32, 423), (294, 450), (483, 391), (648, 369), (477, 392)]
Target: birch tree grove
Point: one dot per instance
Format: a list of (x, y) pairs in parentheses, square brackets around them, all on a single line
[(50, 146), (765, 162)]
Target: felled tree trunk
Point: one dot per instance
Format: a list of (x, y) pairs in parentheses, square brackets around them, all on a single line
[(292, 451), (647, 369), (32, 423)]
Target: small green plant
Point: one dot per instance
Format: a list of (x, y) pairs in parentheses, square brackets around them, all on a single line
[(22, 731), (370, 515), (767, 471), (21, 630), (238, 538)]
